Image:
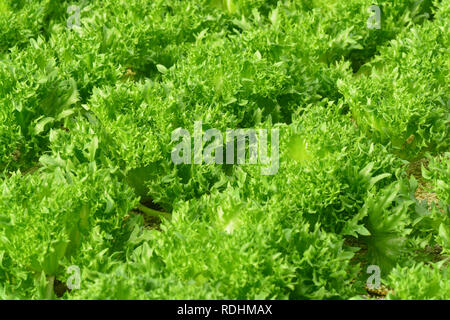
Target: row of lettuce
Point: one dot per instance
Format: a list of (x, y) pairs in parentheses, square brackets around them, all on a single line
[(85, 130)]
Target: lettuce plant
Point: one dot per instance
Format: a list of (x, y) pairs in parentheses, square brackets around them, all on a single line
[(88, 114), (385, 102)]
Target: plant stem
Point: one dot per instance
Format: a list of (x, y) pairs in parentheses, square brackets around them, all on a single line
[(153, 213), (50, 290)]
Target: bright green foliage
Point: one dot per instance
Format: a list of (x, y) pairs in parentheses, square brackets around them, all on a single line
[(50, 216), (19, 22), (242, 251), (385, 102), (87, 179), (439, 173), (386, 220), (323, 148), (356, 196), (35, 95), (137, 122)]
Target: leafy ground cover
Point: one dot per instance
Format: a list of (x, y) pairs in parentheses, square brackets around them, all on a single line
[(89, 190)]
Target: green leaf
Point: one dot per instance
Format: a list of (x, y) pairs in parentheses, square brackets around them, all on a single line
[(161, 68), (40, 125)]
